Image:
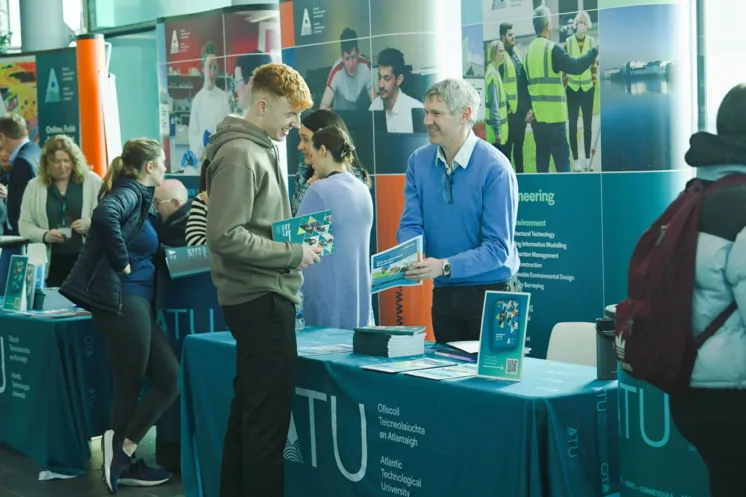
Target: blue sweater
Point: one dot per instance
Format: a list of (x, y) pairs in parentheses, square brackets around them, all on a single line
[(476, 233), (142, 250), (336, 292)]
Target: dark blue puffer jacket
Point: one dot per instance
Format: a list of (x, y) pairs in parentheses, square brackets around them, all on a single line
[(94, 283)]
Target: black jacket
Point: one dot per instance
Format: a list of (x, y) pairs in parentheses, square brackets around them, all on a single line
[(93, 283), (23, 170), (172, 232)]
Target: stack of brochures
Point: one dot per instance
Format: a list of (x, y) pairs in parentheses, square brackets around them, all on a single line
[(467, 350), (389, 341), (463, 351)]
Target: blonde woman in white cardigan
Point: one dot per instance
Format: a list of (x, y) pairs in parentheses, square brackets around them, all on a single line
[(57, 205)]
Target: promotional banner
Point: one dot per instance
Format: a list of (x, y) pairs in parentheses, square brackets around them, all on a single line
[(204, 66), (43, 88), (618, 132), (619, 115), (59, 113), (372, 64)]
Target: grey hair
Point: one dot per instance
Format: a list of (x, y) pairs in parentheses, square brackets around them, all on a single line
[(583, 16), (457, 95), (541, 19)]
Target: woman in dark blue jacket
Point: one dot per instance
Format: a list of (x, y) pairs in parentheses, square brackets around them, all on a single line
[(114, 278)]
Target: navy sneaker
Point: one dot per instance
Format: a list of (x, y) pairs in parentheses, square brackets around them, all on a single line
[(116, 460), (140, 474)]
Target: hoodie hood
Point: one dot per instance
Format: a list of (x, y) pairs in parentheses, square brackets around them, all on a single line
[(236, 128), (716, 156)]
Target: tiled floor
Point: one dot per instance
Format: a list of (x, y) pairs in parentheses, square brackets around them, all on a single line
[(19, 477)]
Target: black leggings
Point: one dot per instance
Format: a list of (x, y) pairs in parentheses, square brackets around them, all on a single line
[(138, 348), (713, 421), (577, 100)]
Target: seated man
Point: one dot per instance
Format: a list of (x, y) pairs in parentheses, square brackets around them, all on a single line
[(172, 202)]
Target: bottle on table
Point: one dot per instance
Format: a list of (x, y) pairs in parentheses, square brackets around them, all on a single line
[(300, 321)]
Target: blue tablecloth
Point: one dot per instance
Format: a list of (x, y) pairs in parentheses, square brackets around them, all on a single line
[(358, 432), (55, 389)]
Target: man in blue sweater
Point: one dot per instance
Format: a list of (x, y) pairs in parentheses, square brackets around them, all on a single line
[(461, 194)]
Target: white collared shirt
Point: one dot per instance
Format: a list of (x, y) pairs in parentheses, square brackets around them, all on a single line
[(399, 119), (463, 156)]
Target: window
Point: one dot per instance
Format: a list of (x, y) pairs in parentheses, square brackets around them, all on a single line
[(14, 23), (723, 52)]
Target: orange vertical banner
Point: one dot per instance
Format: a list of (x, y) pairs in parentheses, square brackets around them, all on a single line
[(91, 60), (408, 305)]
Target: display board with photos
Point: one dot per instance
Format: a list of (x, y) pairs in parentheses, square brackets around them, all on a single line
[(621, 164), (372, 65), (204, 64), (577, 225)]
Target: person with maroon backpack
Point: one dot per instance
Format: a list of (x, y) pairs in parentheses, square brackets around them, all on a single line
[(683, 326)]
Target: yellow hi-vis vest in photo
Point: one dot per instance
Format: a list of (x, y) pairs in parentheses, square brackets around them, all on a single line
[(510, 83), (493, 77), (548, 97), (582, 81)]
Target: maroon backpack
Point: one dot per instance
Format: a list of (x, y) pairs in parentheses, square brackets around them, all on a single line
[(654, 341)]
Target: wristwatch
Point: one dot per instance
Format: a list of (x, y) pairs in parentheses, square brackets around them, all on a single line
[(446, 268)]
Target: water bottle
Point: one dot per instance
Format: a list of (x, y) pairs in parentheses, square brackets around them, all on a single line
[(300, 321), (606, 360)]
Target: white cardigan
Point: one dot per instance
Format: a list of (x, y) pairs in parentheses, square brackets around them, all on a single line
[(33, 222)]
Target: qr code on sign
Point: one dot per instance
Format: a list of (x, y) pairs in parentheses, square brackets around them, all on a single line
[(511, 366)]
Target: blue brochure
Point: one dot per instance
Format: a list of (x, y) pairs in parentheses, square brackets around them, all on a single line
[(187, 261), (503, 335), (388, 267), (313, 229)]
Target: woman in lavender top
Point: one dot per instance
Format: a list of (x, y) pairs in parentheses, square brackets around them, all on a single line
[(336, 291), (304, 176)]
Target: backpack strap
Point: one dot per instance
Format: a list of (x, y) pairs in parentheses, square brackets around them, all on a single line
[(715, 325)]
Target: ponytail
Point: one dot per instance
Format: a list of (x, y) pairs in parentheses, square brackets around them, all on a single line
[(112, 175), (135, 154)]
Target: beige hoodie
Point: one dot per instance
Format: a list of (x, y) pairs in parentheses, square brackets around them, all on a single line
[(247, 194)]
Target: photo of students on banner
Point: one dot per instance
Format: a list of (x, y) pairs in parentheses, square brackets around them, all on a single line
[(541, 104), (208, 65)]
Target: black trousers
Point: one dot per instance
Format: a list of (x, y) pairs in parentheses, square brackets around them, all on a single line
[(266, 352), (713, 421), (59, 267), (577, 100), (138, 348), (516, 136), (457, 311)]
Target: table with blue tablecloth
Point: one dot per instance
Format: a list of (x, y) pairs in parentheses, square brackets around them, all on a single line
[(55, 389), (360, 432)]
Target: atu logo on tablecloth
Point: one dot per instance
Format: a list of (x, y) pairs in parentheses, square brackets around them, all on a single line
[(2, 364), (294, 452)]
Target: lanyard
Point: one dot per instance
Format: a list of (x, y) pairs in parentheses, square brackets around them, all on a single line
[(63, 209)]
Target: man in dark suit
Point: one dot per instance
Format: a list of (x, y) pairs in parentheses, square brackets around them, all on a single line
[(24, 162)]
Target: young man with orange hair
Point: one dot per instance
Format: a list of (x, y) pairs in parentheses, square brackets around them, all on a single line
[(257, 279)]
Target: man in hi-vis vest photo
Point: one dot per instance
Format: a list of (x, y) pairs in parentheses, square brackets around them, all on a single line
[(544, 64)]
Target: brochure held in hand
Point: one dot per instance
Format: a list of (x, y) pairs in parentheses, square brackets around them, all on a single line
[(314, 230)]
